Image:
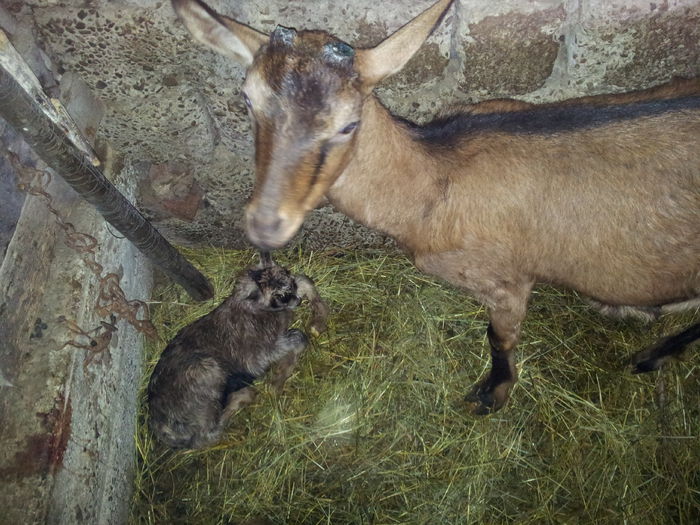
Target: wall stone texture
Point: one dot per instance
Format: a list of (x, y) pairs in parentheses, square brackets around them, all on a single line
[(169, 100)]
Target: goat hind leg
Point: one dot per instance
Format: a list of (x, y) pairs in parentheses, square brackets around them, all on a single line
[(654, 357), (293, 343), (235, 401)]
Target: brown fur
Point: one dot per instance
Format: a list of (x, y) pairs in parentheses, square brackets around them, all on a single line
[(676, 88), (205, 373), (608, 206)]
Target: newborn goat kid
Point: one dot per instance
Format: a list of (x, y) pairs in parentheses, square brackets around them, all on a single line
[(205, 374)]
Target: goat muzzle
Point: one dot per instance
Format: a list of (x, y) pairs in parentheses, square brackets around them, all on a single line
[(269, 231)]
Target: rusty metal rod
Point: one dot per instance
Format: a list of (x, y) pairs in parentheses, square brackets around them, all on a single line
[(52, 145)]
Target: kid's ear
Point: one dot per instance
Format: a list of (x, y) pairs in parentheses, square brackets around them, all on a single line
[(391, 55), (223, 34), (254, 295)]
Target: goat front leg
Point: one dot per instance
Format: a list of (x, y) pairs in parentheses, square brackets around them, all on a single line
[(319, 309), (506, 317), (291, 344)]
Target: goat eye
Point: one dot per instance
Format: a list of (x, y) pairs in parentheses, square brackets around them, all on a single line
[(247, 100), (349, 128)]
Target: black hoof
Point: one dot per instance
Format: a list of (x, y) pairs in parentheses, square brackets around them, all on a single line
[(644, 367), (643, 363), (482, 400), (664, 350)]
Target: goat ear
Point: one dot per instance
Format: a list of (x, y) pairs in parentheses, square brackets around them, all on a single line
[(224, 35), (254, 295), (396, 50)]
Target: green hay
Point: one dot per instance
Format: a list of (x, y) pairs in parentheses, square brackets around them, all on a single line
[(372, 428)]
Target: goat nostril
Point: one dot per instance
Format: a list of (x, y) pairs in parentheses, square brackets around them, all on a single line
[(265, 224), (267, 230), (273, 224)]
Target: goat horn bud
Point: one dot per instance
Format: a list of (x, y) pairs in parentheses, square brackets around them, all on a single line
[(339, 51), (283, 35)]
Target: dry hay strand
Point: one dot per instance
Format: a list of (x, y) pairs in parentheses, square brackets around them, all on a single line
[(371, 428)]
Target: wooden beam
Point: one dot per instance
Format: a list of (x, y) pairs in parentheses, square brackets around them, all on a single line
[(47, 128)]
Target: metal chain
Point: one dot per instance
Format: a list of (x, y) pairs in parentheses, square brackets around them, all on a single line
[(111, 300)]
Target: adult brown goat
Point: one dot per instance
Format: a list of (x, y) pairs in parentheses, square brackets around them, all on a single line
[(600, 198)]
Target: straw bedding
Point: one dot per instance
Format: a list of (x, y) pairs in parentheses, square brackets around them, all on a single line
[(372, 428)]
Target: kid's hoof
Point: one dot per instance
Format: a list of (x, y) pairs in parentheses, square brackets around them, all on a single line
[(317, 329)]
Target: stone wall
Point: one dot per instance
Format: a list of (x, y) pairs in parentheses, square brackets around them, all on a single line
[(173, 104)]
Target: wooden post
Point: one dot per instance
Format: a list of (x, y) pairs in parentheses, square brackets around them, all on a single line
[(48, 129)]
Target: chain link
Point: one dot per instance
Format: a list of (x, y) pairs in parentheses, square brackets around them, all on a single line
[(111, 300)]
